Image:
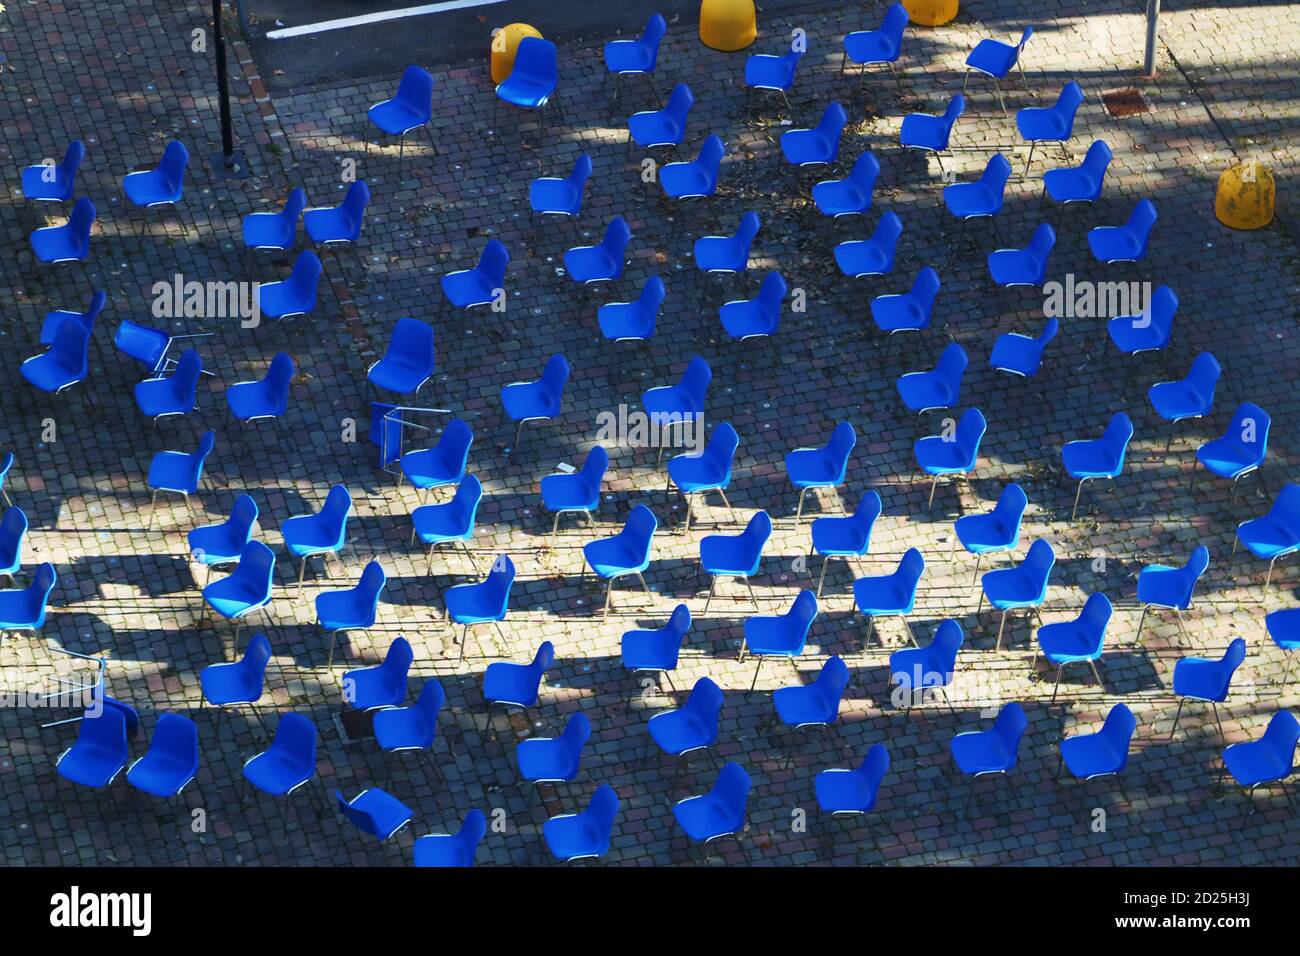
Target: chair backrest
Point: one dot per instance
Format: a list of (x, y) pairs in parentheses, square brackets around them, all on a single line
[(576, 733), (81, 219), (257, 564), (543, 658), (70, 345), (337, 507), (887, 231), (956, 106), (1142, 219), (493, 261), (771, 293), (256, 656), (833, 121), (175, 159), (1162, 307), (306, 273), (1011, 506), (1010, 727), (1281, 736), (43, 582), (1232, 658), (1118, 729), (1041, 244), (1117, 436), (617, 234), (72, 158), (640, 526), (710, 157), (470, 833), (841, 445), (874, 766), (469, 495), (535, 60), (680, 102), (868, 510), (952, 363), (603, 808), (432, 697), (832, 679), (748, 229), (372, 582), (242, 517), (924, 288), (970, 429), (1050, 328), (415, 90), (178, 737), (680, 621), (757, 531), (803, 611), (1287, 506), (865, 172), (397, 662), (500, 579), (1039, 561), (1024, 38), (295, 740), (594, 468), (555, 375), (107, 731), (1068, 103), (696, 378), (948, 639), (6, 463), (206, 443), (185, 378), (12, 529), (354, 204), (655, 28), (1248, 430), (732, 788), (722, 446), (1097, 159), (454, 444), (97, 303), (651, 297), (280, 373), (894, 24), (581, 172), (293, 206), (1195, 567), (911, 567), (1096, 613), (1203, 377)]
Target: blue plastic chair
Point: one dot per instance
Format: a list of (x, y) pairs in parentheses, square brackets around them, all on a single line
[(1050, 124), (942, 455), (161, 186), (86, 319), (908, 311), (244, 590), (819, 146), (173, 394), (657, 651), (412, 728), (1267, 760), (627, 552), (1126, 243), (758, 317), (1020, 586), (13, 529), (452, 849), (680, 404), (585, 835), (375, 811), (979, 753), (482, 602), (1190, 397), (816, 704), (54, 182), (852, 793), (516, 685), (100, 752), (554, 759), (665, 127), (779, 635), (214, 545), (765, 71), (915, 670), (267, 398), (1275, 534), (537, 401), (1101, 754), (63, 364), (171, 761), (1208, 680), (483, 284), (997, 530), (351, 609), (883, 45), (696, 178), (276, 231), (150, 346), (1091, 459), (890, 595), (633, 321), (24, 610), (295, 295), (823, 467), (1079, 183), (931, 133), (382, 685), (1027, 266), (705, 471), (410, 109), (859, 258), (718, 813), (178, 472), (341, 224), (692, 727), (561, 197), (996, 59), (1149, 329), (1284, 629), (1240, 450), (1022, 355), (69, 242), (6, 463), (847, 537), (239, 682), (938, 388), (983, 197), (443, 464), (728, 254), (602, 262), (533, 78), (724, 555), (630, 57), (323, 533), (578, 492), (1168, 588), (1076, 642), (289, 763), (850, 196)]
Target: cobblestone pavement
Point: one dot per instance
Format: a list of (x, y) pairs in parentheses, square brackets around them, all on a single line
[(1229, 87)]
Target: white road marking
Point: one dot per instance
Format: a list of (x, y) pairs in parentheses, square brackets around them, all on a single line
[(378, 17)]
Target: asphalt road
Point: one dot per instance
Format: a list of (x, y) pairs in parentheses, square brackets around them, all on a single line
[(437, 39)]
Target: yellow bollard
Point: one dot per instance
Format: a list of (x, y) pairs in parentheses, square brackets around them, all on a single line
[(930, 13), (505, 42), (1245, 196), (728, 24)]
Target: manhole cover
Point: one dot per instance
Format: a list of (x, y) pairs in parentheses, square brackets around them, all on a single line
[(1125, 102)]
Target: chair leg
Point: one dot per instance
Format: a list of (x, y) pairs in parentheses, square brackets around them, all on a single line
[(933, 484), (712, 584), (752, 597), (1001, 626), (609, 587), (728, 504), (1141, 623), (1057, 686), (822, 577), (1177, 717), (757, 666), (1078, 491), (799, 511)]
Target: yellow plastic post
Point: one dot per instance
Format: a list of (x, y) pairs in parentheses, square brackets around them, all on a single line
[(504, 44), (930, 13), (728, 24), (1245, 196)]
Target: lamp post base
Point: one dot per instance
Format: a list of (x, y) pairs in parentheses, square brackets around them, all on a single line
[(234, 167)]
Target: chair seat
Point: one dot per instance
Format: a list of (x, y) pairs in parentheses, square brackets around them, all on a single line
[(467, 288), (1160, 585), (801, 706), (978, 752), (50, 373), (982, 534), (1131, 338), (507, 683), (435, 524), (679, 731), (1065, 642), (57, 244), (862, 257), (467, 604), (938, 456), (395, 117), (838, 537), (992, 57), (1114, 244), (268, 230), (669, 400), (745, 319), (970, 200), (1017, 354), (159, 774), (811, 468), (279, 299), (525, 91), (705, 818), (1036, 123), (808, 147), (840, 197), (1267, 539), (568, 493), (306, 535), (231, 599), (149, 189), (920, 131), (425, 468), (53, 320), (922, 391), (649, 129), (772, 635), (253, 400), (898, 313), (627, 56), (572, 836), (624, 320), (554, 196), (726, 554), (1224, 459), (915, 668), (649, 651), (1009, 588), (1200, 678), (721, 254), (1091, 755), (157, 396), (401, 728), (274, 775), (1174, 401), (546, 759), (398, 377), (768, 72), (528, 400), (843, 791), (691, 473), (441, 850), (1253, 763), (172, 471), (91, 766), (46, 183), (1089, 459), (373, 687), (876, 596), (225, 684), (16, 611), (387, 812), (1284, 628), (1071, 185), (610, 558), (343, 611), (869, 46), (327, 225), (1013, 267), (685, 179)]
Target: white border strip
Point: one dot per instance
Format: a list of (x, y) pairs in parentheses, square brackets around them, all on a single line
[(378, 17)]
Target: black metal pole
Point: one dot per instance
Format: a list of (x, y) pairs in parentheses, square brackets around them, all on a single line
[(229, 164), (1153, 31)]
